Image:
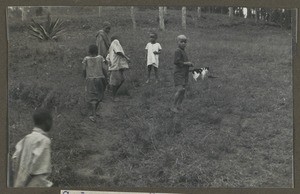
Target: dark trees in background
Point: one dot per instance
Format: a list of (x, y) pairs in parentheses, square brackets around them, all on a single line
[(281, 17)]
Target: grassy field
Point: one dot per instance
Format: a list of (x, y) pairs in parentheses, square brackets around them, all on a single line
[(235, 130)]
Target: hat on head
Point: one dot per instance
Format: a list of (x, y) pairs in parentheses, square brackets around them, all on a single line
[(181, 37)]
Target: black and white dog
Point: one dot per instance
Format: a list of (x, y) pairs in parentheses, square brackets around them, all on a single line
[(201, 71)]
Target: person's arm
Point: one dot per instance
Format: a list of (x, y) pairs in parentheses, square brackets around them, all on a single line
[(159, 50), (190, 64), (146, 53), (104, 69), (178, 59), (124, 56), (84, 74), (117, 48), (84, 63), (179, 62)]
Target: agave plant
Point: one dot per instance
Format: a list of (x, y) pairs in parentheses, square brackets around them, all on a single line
[(50, 31)]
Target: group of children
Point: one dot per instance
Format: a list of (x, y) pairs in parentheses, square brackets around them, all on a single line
[(96, 68), (31, 160)]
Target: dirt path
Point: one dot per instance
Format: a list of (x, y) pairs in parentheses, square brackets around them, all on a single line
[(100, 140)]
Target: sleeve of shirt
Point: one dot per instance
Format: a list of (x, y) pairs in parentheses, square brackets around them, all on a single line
[(16, 155), (147, 46), (117, 47), (84, 63), (159, 47), (41, 163), (178, 58)]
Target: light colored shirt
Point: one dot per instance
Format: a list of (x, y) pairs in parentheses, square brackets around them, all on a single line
[(115, 61), (93, 66), (32, 160), (152, 59)]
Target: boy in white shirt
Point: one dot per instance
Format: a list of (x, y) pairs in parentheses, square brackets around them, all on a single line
[(32, 158), (117, 63), (153, 49)]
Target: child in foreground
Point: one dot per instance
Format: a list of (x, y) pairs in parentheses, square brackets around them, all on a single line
[(94, 73), (153, 49), (181, 72), (117, 63), (31, 162)]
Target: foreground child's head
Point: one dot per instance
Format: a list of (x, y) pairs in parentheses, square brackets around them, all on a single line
[(181, 41), (42, 118), (153, 37), (106, 27), (93, 50), (115, 37)]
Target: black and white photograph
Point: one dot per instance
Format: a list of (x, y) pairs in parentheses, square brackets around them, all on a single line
[(150, 96)]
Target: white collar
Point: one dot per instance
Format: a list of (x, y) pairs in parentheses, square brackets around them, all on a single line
[(39, 130)]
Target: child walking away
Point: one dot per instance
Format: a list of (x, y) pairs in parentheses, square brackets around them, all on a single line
[(153, 49), (117, 63), (181, 72), (31, 162), (94, 73)]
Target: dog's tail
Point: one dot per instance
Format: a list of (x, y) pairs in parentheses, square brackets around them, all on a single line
[(211, 76)]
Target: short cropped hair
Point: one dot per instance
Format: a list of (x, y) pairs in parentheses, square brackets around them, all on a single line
[(154, 33), (106, 24), (93, 49), (41, 116), (181, 37), (114, 37)]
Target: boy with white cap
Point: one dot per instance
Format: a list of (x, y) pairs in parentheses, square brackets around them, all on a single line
[(181, 72)]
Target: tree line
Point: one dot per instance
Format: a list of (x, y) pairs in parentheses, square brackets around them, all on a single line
[(280, 17)]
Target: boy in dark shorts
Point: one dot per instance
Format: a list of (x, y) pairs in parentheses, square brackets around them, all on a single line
[(94, 73), (181, 72)]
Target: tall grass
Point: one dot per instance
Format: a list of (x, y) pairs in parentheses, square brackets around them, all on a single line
[(235, 130)]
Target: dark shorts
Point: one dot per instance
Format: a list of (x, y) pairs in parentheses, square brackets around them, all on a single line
[(95, 89), (181, 79), (116, 77), (152, 66)]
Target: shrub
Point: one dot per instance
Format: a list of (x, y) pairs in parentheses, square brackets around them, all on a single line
[(50, 31)]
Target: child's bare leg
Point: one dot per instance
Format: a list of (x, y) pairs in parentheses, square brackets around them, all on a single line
[(149, 71), (181, 97), (156, 73), (114, 91), (178, 95), (97, 105), (118, 87), (93, 107)]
